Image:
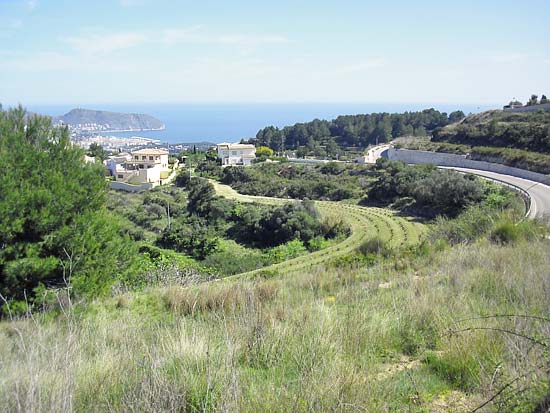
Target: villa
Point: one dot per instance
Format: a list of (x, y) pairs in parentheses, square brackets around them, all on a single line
[(236, 154), (144, 166)]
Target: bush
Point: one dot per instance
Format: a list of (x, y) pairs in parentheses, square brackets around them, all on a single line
[(236, 260), (434, 191), (508, 232), (505, 233), (462, 372), (183, 178), (291, 249), (201, 195), (331, 181), (194, 239), (269, 227), (375, 246), (209, 169), (467, 227)]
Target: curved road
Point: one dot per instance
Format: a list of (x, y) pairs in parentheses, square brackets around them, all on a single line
[(539, 193)]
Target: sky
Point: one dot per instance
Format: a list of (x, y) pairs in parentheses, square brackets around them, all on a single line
[(117, 51)]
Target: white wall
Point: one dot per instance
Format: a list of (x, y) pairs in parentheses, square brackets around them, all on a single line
[(460, 161), (129, 187)]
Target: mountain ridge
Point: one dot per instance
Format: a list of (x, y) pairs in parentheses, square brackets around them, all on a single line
[(109, 121)]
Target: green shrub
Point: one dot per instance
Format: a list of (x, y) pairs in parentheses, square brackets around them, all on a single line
[(459, 369), (235, 259), (376, 246), (287, 251), (505, 233), (183, 178), (467, 227), (433, 190), (317, 243)]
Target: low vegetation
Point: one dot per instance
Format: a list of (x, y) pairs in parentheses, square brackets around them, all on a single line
[(438, 331), (331, 181), (323, 306), (420, 190), (527, 131), (518, 158)]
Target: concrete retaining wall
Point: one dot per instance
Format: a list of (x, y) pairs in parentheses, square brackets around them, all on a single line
[(300, 160), (129, 187), (460, 161)]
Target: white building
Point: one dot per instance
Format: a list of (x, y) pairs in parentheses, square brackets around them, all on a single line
[(139, 167), (236, 153), (115, 163)]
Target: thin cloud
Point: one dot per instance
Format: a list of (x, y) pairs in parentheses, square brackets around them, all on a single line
[(181, 35), (14, 24), (510, 57), (103, 44), (195, 34), (31, 4), (10, 27), (372, 63), (241, 40), (62, 62), (131, 3)]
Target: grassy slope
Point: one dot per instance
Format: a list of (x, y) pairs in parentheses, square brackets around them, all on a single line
[(325, 339), (365, 223), (516, 139)]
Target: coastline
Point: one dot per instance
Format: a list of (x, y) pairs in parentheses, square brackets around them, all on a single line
[(132, 130)]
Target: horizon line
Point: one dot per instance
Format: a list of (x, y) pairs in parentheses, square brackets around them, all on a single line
[(250, 102)]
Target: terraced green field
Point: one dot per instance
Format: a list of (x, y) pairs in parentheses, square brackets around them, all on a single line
[(365, 223)]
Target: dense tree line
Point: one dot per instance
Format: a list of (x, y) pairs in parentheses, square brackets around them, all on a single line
[(353, 130), (54, 229)]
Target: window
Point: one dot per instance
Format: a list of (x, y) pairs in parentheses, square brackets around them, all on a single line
[(157, 157), (143, 158), (140, 166), (151, 158), (136, 157), (119, 176)]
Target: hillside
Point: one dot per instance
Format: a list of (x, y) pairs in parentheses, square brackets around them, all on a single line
[(402, 335), (109, 121), (198, 298), (527, 131)]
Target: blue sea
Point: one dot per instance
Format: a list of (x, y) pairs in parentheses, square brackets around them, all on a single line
[(221, 122)]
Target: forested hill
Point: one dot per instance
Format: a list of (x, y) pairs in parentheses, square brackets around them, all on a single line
[(109, 120), (354, 130), (528, 131)]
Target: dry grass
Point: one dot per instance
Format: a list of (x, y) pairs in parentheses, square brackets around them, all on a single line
[(321, 340)]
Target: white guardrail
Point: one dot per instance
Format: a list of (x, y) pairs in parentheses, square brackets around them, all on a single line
[(524, 194)]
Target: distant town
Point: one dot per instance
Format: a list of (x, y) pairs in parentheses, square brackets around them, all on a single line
[(89, 127)]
